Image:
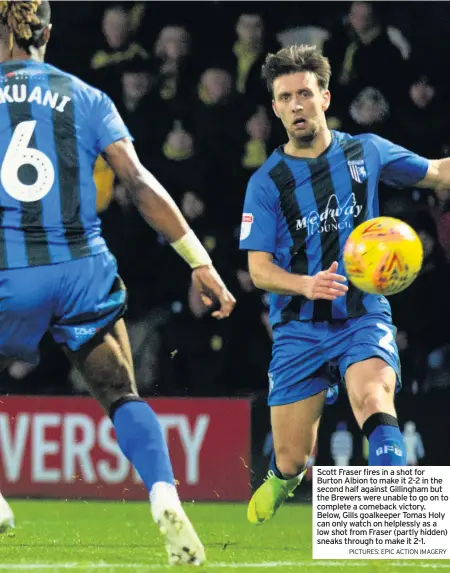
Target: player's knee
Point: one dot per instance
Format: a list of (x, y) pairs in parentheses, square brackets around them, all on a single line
[(290, 462), (119, 385), (377, 397)]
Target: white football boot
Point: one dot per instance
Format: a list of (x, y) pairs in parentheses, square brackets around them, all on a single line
[(182, 542), (6, 515)]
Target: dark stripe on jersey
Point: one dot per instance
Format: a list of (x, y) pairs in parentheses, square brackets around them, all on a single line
[(353, 151), (284, 180), (68, 168), (36, 241), (323, 189), (3, 260)]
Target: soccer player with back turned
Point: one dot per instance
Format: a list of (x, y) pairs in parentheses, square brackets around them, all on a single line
[(56, 273), (300, 207)]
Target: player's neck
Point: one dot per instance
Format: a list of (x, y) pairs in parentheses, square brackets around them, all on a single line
[(17, 54), (311, 150)]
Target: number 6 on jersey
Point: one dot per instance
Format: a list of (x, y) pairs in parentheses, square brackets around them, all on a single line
[(19, 154)]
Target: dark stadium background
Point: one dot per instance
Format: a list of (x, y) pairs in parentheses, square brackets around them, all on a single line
[(203, 139)]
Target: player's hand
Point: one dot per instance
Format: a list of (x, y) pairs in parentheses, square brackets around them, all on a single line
[(326, 285), (213, 291)]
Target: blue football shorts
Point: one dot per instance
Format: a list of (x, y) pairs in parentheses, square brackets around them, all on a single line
[(73, 300), (308, 357)]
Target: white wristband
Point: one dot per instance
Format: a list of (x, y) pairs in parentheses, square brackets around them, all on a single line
[(191, 250)]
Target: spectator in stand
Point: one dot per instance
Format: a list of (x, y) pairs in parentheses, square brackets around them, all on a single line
[(177, 69), (257, 149), (217, 116), (440, 211), (118, 47), (184, 168), (424, 124), (217, 113), (370, 111), (197, 207), (180, 164), (358, 53), (139, 105), (136, 84), (247, 55)]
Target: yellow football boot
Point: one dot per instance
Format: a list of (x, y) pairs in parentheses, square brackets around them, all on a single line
[(269, 496)]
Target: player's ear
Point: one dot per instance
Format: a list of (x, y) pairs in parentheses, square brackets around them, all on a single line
[(47, 33), (274, 107), (326, 99)]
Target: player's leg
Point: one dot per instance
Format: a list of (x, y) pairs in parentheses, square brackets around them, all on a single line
[(371, 389), (297, 395), (25, 313), (106, 364), (371, 367), (6, 514), (89, 325), (294, 430)]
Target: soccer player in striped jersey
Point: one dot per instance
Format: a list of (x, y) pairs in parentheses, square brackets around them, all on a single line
[(300, 207), (57, 274)]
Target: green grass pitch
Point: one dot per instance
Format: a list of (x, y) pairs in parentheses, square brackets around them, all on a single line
[(102, 537)]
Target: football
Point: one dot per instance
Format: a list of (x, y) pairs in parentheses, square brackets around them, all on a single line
[(383, 256)]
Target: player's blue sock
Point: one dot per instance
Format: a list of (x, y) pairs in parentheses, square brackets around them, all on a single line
[(273, 466), (141, 439), (386, 444)]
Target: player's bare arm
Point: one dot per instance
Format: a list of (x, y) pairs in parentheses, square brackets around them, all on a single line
[(161, 212), (438, 175), (266, 275)]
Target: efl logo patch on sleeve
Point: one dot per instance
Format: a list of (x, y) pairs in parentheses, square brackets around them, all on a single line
[(246, 225)]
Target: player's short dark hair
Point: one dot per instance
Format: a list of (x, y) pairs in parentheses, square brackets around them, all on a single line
[(297, 58), (25, 21)]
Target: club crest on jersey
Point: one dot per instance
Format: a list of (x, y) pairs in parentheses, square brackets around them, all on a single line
[(246, 225), (358, 171)]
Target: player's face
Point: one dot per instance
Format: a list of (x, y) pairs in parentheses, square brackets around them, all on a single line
[(300, 104)]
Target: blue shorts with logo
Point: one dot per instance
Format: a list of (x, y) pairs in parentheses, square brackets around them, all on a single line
[(72, 300), (308, 357)]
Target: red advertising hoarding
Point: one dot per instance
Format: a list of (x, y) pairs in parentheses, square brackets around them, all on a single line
[(66, 448)]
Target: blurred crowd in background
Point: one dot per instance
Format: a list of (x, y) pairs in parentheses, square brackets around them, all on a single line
[(185, 77)]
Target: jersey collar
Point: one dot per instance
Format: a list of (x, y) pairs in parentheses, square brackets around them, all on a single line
[(280, 150)]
